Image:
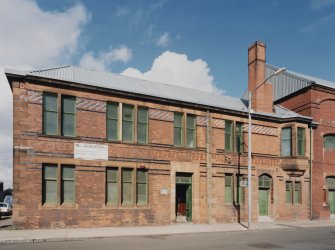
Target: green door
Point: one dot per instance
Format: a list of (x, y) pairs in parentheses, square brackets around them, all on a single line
[(189, 203), (331, 200), (263, 197)]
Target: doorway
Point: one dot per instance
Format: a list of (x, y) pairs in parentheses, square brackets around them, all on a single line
[(331, 200), (264, 187), (183, 197)]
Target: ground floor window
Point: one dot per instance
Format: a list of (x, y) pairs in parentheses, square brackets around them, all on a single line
[(293, 192), (123, 183), (230, 198), (52, 192)]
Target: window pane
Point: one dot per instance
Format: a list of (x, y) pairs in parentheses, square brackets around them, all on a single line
[(112, 192), (228, 189), (288, 186), (142, 115), (112, 110), (141, 176), (50, 102), (239, 137), (112, 175), (177, 136), (178, 119), (190, 121), (127, 131), (68, 124), (297, 192), (127, 112), (50, 191), (142, 132), (69, 104), (50, 172), (329, 141), (127, 193), (68, 191), (228, 135), (190, 138), (141, 193), (112, 128), (301, 142), (127, 175), (50, 123), (286, 144)]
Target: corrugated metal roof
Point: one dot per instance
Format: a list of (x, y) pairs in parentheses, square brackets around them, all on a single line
[(133, 85), (289, 82)]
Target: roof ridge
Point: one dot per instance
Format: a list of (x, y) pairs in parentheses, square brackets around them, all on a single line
[(48, 69)]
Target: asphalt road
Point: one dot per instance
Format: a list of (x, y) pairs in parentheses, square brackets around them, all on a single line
[(292, 238)]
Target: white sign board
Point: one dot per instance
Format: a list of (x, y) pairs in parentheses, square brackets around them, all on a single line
[(243, 183), (90, 151)]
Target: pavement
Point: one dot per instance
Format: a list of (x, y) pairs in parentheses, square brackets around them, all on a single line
[(72, 234)]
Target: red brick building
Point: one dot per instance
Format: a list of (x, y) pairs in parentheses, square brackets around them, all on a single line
[(99, 149), (313, 97)]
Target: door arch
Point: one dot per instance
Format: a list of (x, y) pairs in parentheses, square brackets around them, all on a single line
[(264, 192)]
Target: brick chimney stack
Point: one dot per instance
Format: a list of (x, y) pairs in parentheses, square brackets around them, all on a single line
[(262, 99)]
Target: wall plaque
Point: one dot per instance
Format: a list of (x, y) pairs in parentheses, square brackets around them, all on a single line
[(90, 151)]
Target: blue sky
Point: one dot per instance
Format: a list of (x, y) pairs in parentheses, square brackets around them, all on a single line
[(192, 43)]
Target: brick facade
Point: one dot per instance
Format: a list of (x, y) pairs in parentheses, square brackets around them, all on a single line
[(317, 102)]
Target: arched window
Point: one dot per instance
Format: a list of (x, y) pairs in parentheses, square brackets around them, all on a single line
[(329, 141), (330, 182), (264, 181)]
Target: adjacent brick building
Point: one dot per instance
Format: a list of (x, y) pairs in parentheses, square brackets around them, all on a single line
[(98, 149), (314, 97)]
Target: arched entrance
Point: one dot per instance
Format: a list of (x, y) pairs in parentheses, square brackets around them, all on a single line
[(264, 192), (330, 182)]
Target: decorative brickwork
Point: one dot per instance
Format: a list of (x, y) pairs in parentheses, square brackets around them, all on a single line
[(91, 105), (161, 115)]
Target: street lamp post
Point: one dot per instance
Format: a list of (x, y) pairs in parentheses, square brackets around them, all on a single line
[(250, 93)]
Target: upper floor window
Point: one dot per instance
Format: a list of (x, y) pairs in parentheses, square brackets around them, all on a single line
[(239, 137), (68, 116), (301, 142), (329, 141), (112, 118), (127, 123), (51, 123), (229, 135), (191, 128), (286, 142), (179, 131), (50, 114), (142, 125)]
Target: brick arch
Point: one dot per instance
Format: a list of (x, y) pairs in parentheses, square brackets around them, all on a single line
[(326, 99)]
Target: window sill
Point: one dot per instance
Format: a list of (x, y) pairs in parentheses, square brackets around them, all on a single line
[(59, 136)]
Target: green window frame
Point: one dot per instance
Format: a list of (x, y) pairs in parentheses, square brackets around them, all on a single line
[(50, 113), (239, 137), (142, 125), (288, 192), (228, 197), (329, 141), (50, 184), (127, 186), (112, 193), (229, 135), (301, 142), (68, 184), (68, 116), (239, 192), (141, 187), (127, 123), (264, 181), (191, 131), (178, 129), (112, 121), (297, 192), (286, 142)]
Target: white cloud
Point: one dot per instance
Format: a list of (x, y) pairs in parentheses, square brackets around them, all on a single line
[(121, 11), (317, 24), (163, 40), (32, 38), (321, 4), (177, 69), (104, 59)]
